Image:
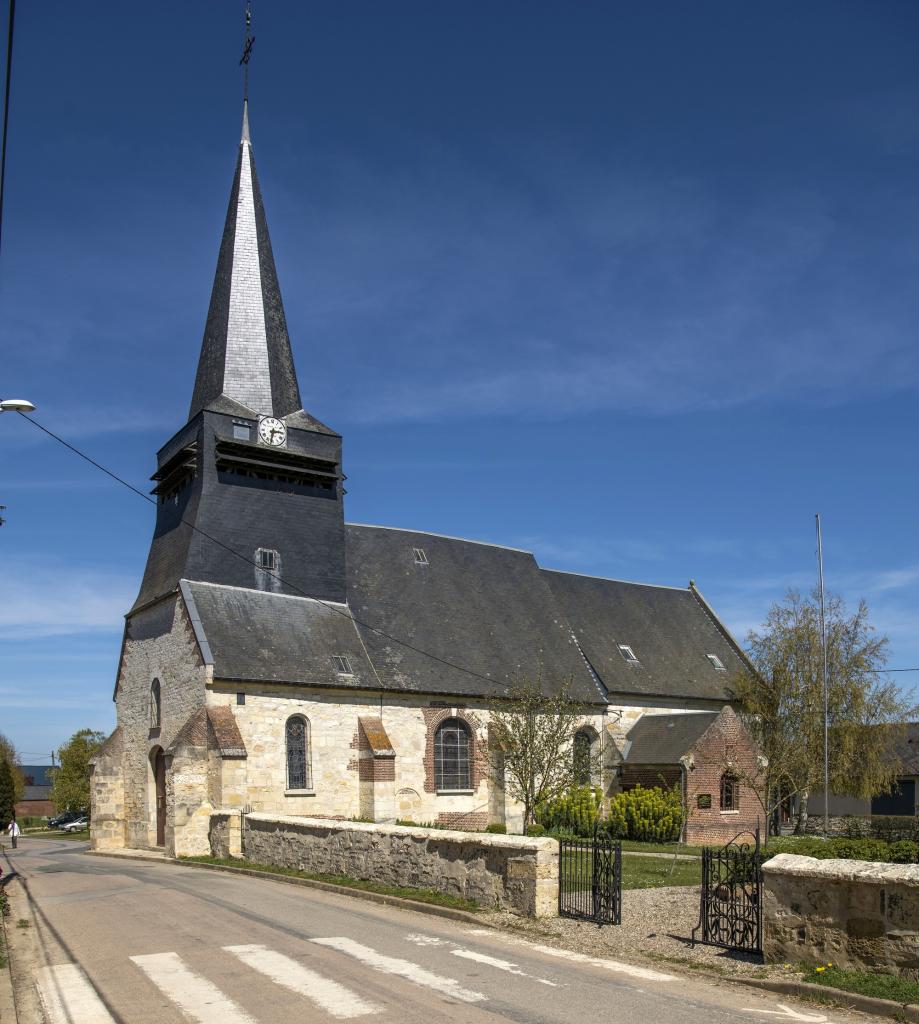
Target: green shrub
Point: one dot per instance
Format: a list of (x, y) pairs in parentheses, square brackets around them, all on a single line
[(535, 830), (904, 851), (845, 849), (574, 813), (652, 815), (893, 827), (496, 829)]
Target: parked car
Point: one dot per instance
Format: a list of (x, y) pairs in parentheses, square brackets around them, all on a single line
[(59, 820), (77, 825)]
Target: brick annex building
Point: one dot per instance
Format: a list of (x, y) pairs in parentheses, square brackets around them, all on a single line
[(279, 659)]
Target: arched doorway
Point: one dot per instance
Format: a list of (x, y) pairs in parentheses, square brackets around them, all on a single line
[(158, 763)]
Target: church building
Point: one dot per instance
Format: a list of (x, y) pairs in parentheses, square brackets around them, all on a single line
[(280, 659)]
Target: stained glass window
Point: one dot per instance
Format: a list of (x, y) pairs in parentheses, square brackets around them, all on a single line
[(452, 761), (299, 769)]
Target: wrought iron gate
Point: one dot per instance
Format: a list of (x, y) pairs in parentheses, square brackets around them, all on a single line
[(590, 879), (731, 909)]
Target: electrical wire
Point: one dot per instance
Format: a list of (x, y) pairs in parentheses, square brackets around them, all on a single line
[(249, 561), (6, 105)]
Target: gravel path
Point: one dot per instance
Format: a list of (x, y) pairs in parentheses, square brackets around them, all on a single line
[(656, 925)]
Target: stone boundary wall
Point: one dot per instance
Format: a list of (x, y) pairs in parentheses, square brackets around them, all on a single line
[(514, 873), (852, 913)]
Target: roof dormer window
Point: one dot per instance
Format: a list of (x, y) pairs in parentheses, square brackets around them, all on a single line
[(628, 654), (267, 558), (717, 663)]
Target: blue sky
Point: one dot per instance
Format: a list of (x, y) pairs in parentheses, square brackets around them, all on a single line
[(632, 286)]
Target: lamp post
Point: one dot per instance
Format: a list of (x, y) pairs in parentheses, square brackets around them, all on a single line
[(16, 405)]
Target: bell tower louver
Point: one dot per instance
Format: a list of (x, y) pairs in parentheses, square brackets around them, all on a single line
[(249, 491)]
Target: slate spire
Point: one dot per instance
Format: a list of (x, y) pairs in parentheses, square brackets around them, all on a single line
[(245, 354)]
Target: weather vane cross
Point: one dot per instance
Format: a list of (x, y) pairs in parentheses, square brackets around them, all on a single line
[(247, 49)]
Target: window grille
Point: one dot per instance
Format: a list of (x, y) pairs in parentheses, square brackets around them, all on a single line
[(730, 792), (299, 766), (452, 761), (267, 559), (420, 557), (628, 654), (155, 704), (717, 663), (341, 665)]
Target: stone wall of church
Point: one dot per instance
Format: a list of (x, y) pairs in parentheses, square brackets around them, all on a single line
[(159, 644), (337, 757)]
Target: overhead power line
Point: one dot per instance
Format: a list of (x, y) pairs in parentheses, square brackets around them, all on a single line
[(6, 104)]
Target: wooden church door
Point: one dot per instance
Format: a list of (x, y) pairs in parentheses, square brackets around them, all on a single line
[(159, 776)]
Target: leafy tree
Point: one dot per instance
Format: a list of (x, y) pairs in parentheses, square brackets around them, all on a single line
[(531, 740), (70, 781), (8, 753), (7, 795), (783, 703)]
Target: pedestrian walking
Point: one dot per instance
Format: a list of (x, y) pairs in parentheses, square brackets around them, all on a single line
[(13, 829)]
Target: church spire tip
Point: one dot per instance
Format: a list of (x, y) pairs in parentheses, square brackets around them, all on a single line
[(245, 132)]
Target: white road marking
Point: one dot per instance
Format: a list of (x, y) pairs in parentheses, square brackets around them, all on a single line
[(789, 1014), (502, 965), (580, 958), (194, 995), (67, 995), (403, 968), (425, 940), (328, 995)]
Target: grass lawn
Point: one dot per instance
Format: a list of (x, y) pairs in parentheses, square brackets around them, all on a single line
[(404, 892), (656, 872), (634, 845), (54, 834), (881, 986)]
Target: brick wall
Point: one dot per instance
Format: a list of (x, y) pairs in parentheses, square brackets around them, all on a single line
[(726, 742)]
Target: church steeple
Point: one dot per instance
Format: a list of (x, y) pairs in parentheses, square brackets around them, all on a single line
[(246, 355)]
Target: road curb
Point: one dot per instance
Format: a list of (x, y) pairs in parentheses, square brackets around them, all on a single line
[(342, 890), (853, 1000)]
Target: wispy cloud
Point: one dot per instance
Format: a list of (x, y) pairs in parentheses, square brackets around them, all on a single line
[(61, 600)]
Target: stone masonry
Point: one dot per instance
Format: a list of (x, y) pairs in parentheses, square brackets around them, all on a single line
[(855, 914), (513, 873)]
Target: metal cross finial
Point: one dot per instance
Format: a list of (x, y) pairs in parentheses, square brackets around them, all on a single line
[(247, 49)]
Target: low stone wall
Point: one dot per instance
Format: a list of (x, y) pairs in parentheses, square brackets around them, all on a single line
[(514, 873), (847, 912)]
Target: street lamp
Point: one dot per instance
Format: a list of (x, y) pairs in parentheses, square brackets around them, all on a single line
[(16, 405)]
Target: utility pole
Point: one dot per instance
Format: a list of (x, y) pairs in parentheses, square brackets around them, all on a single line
[(826, 691)]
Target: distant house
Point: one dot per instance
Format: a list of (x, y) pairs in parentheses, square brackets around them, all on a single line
[(903, 799), (710, 756), (36, 797)]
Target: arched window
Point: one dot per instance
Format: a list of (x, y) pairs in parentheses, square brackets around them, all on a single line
[(581, 751), (730, 792), (299, 767), (155, 706), (452, 761)]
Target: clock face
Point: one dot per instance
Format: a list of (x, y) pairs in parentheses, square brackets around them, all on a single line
[(272, 431)]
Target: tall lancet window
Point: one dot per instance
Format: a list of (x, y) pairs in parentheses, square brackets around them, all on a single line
[(299, 767), (155, 704), (452, 761)]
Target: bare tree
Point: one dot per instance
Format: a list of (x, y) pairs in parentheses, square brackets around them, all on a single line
[(532, 742), (783, 703)]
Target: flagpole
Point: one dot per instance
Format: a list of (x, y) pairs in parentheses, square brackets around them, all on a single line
[(826, 692)]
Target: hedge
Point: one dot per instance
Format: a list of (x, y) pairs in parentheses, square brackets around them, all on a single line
[(903, 851)]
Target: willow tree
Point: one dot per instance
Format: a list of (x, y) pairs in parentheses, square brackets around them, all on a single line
[(784, 705), (532, 741)]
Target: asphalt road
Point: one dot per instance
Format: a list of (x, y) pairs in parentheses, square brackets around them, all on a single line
[(158, 943)]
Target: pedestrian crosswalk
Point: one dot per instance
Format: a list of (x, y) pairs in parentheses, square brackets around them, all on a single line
[(68, 995)]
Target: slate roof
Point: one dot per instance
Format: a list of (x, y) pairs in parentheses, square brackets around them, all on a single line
[(664, 739), (246, 355), (907, 750), (670, 631), (36, 774), (486, 614)]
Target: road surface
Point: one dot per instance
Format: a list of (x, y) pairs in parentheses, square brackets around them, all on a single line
[(139, 942)]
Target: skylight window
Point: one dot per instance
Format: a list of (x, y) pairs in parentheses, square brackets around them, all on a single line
[(267, 559), (420, 557), (628, 654), (341, 665), (717, 663), (242, 431)]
